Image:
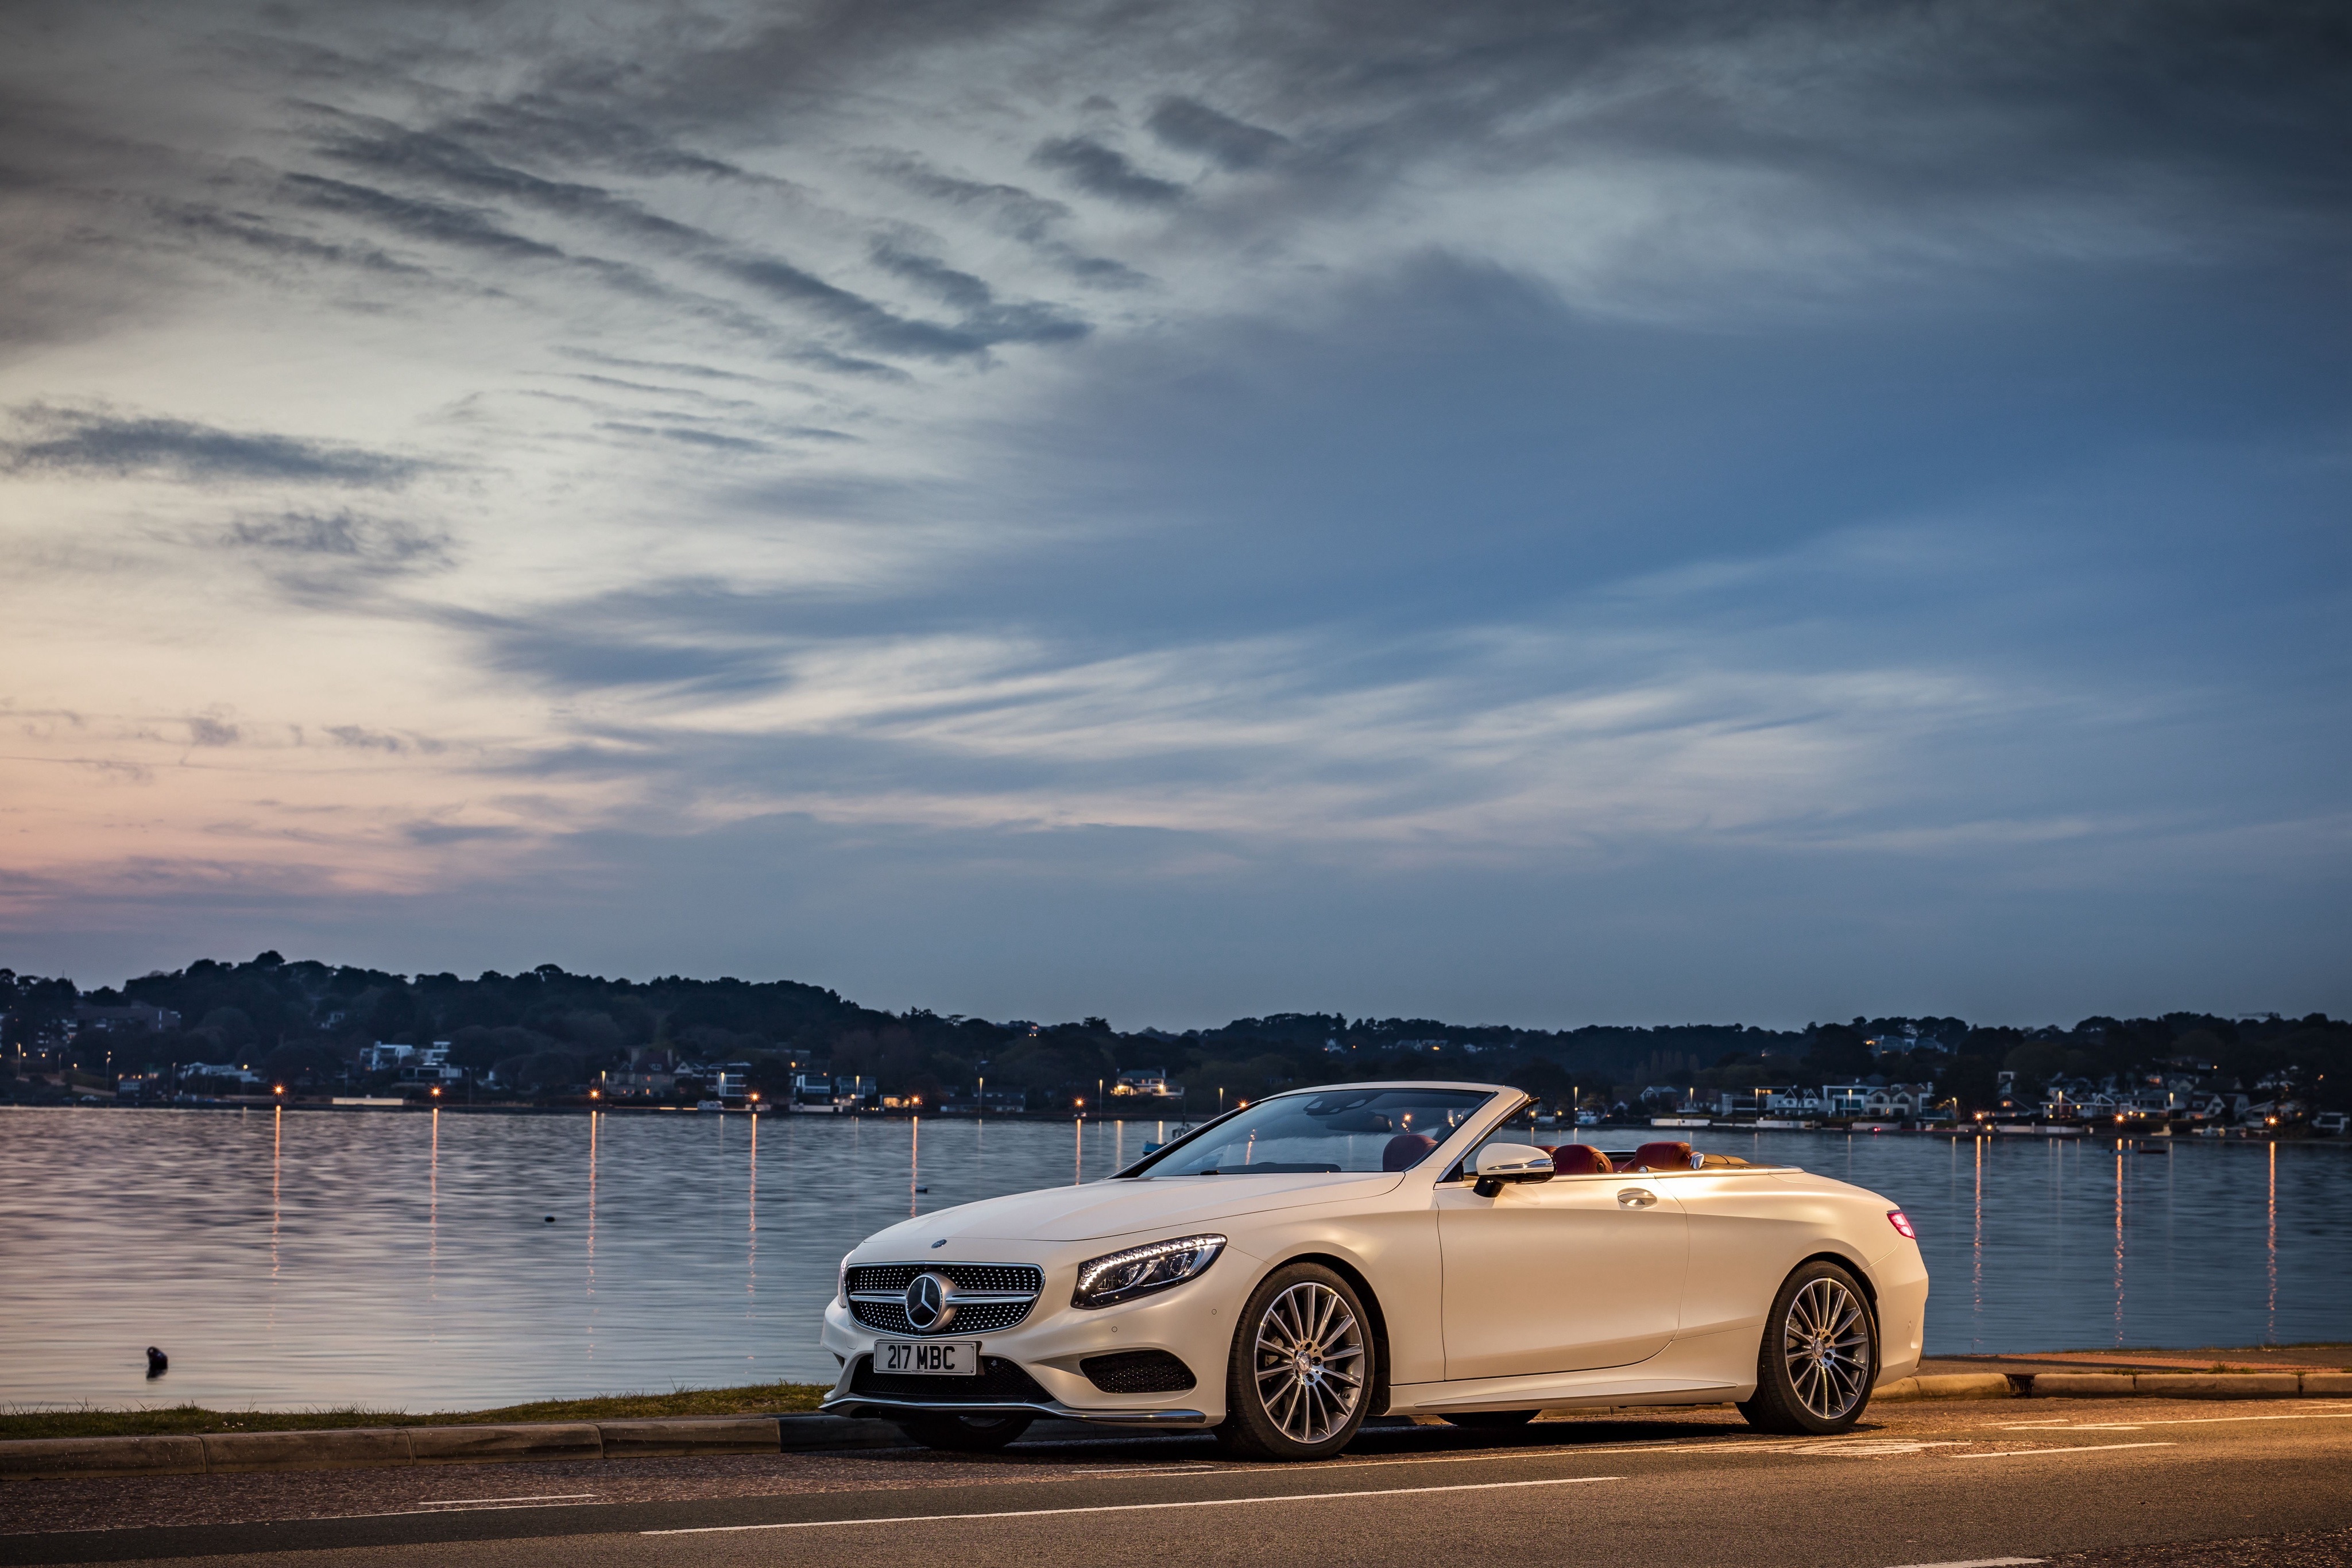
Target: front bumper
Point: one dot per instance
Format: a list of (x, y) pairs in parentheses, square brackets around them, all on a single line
[(873, 1405), (1192, 1321)]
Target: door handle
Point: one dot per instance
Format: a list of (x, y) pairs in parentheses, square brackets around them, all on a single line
[(1636, 1197)]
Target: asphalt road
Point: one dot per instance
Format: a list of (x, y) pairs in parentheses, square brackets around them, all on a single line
[(1976, 1483)]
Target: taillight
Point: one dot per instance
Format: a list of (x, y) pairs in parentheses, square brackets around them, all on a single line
[(1895, 1217)]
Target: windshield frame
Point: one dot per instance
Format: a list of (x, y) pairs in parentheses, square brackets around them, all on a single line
[(1474, 1125)]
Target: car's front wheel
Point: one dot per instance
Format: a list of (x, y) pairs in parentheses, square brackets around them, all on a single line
[(1299, 1380), (1820, 1354), (967, 1434)]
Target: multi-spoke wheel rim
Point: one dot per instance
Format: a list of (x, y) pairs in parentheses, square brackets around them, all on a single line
[(1309, 1362), (1827, 1343)]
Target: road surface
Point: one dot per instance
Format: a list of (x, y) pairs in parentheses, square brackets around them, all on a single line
[(2108, 1482)]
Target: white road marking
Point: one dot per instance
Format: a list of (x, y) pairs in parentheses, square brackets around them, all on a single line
[(1132, 1507), (1877, 1447), (2182, 1421), (2031, 1453), (529, 1496)]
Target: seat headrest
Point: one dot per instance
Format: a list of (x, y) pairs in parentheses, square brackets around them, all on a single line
[(1406, 1151), (1664, 1158), (1578, 1159)]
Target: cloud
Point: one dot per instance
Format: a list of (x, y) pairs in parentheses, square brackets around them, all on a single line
[(204, 731), (364, 739), (1194, 126), (1011, 208), (342, 537), (442, 223), (1106, 172), (99, 441)]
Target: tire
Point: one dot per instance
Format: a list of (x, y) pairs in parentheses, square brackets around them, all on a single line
[(1819, 1358), (965, 1434), (1491, 1420), (1298, 1382)]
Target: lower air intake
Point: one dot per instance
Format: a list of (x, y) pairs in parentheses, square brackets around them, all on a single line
[(1138, 1372)]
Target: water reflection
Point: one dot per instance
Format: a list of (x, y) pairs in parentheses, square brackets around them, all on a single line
[(751, 1230), (2119, 1241), (1976, 1250), (596, 1129), (150, 1227)]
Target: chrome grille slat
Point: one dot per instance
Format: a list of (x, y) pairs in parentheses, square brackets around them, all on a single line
[(990, 1297), (990, 1317), (1025, 1278)]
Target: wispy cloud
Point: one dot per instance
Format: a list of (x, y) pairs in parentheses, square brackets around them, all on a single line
[(1105, 172), (98, 441)]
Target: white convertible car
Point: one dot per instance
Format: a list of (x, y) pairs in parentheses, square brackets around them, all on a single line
[(1301, 1263)]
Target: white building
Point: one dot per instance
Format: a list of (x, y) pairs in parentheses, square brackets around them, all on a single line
[(1148, 1083)]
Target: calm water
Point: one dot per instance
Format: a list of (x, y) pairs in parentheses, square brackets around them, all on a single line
[(397, 1259)]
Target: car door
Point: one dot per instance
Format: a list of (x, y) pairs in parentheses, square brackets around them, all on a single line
[(1567, 1275)]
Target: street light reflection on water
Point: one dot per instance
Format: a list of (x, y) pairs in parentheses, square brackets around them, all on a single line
[(287, 1257)]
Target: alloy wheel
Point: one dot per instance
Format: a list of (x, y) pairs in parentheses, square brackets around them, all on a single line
[(1309, 1362), (1826, 1341)]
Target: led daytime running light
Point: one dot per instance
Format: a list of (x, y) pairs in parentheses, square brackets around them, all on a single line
[(1138, 1270)]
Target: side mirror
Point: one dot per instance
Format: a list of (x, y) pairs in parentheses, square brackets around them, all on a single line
[(1499, 1163)]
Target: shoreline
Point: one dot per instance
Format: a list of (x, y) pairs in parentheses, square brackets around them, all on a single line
[(770, 1399)]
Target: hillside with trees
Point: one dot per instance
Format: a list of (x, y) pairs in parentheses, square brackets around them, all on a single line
[(546, 1034)]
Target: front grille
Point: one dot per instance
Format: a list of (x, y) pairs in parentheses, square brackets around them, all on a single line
[(979, 1317), (889, 1281), (1138, 1372), (967, 1276), (1001, 1382)]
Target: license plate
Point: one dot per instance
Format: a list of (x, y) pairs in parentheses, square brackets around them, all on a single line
[(934, 1358)]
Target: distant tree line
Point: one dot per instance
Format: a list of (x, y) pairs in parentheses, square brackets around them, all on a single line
[(551, 1033)]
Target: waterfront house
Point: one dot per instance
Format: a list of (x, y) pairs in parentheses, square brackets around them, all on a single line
[(1150, 1082), (224, 1072), (385, 1055), (632, 1084), (1846, 1098)]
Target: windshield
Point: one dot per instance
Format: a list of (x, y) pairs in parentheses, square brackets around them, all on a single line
[(1353, 1130)]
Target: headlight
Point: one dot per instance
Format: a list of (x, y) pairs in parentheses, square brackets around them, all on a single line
[(1139, 1270), (841, 1282)]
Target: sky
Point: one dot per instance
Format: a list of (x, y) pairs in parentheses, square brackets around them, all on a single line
[(1530, 514)]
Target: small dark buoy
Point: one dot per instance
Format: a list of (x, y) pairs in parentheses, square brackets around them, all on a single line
[(922, 1189), (551, 1219), (158, 1363)]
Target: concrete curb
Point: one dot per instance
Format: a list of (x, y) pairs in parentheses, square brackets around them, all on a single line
[(1960, 1386), (2119, 1386), (223, 1453)]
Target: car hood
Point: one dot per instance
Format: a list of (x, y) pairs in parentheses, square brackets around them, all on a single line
[(1119, 1207)]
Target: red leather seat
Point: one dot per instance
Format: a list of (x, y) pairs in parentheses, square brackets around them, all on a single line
[(1578, 1159), (1662, 1157), (1406, 1151)]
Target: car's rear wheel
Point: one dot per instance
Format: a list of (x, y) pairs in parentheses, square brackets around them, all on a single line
[(1298, 1382), (1491, 1420), (967, 1434), (1820, 1354)]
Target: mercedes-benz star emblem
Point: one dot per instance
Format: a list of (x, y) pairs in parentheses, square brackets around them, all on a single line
[(930, 1302)]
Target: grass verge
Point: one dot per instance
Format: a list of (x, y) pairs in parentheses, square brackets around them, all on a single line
[(175, 1420)]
